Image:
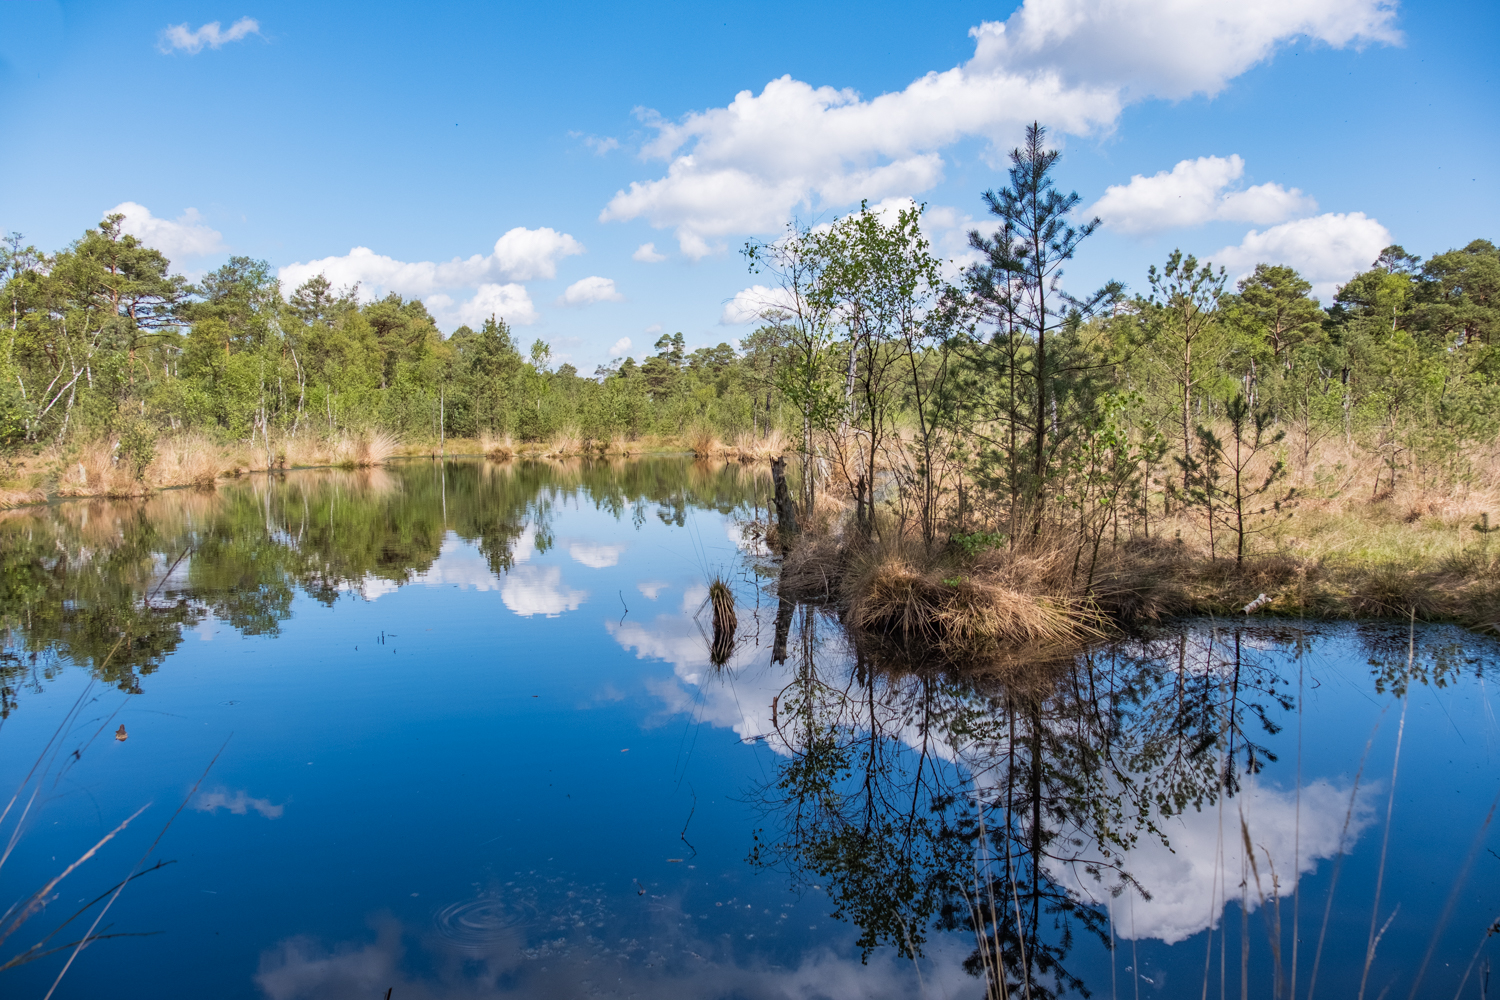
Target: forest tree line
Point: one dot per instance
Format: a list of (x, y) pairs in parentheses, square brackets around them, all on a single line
[(996, 398)]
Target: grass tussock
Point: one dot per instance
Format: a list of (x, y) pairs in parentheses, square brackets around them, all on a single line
[(957, 612), (366, 449), (704, 444), (21, 497), (97, 470), (721, 600), (500, 448)]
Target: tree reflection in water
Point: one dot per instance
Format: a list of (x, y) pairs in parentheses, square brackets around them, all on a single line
[(1002, 801), (76, 578)]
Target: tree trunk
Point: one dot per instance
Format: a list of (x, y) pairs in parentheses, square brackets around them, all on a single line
[(786, 510)]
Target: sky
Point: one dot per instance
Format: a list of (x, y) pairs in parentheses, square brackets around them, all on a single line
[(590, 173)]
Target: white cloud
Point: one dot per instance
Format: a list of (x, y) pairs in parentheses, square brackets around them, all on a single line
[(745, 167), (189, 236), (1194, 192), (1191, 879), (619, 347), (595, 556), (652, 588), (523, 254), (180, 37), (510, 302), (520, 255), (646, 254), (586, 291), (539, 590), (1327, 249), (1170, 50), (750, 304), (654, 328), (240, 804)]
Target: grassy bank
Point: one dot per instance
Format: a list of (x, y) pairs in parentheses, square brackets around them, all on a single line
[(1401, 554), (101, 469)]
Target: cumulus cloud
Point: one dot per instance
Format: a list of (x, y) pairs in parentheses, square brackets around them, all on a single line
[(539, 590), (752, 303), (523, 254), (595, 556), (1327, 249), (619, 347), (188, 236), (519, 255), (510, 302), (652, 588), (1194, 192), (646, 254), (1191, 880), (600, 146), (586, 291), (179, 37), (481, 961), (239, 803), (1076, 64)]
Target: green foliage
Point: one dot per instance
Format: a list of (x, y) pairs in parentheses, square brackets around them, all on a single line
[(976, 542)]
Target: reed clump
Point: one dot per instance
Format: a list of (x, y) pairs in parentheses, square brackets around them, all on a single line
[(957, 612), (721, 600), (500, 448)]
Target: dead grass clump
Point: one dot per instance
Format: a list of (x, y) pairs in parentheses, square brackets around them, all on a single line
[(95, 471), (721, 599), (813, 569), (1389, 590), (185, 460), (565, 444), (749, 448), (365, 449), (958, 615), (703, 443), (500, 449), (20, 498)]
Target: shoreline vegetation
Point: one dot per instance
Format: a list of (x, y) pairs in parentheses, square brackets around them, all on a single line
[(198, 461), (978, 458), (982, 599)]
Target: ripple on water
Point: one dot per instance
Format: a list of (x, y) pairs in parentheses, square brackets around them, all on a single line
[(477, 923)]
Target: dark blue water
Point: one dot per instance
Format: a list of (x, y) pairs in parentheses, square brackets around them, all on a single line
[(457, 733)]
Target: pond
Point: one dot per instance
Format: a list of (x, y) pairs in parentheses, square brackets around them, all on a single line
[(444, 730)]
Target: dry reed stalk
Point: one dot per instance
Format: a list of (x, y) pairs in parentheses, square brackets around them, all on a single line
[(565, 444), (704, 444), (21, 498), (501, 448), (721, 599), (185, 460), (94, 471)]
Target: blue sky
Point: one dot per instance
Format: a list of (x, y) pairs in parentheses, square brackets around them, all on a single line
[(517, 158)]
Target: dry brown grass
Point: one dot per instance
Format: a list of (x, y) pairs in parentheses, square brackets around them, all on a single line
[(21, 497), (187, 459), (94, 471), (750, 448), (703, 443), (498, 447), (1346, 551), (931, 605)]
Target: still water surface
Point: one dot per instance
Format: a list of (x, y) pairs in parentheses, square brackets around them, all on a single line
[(467, 741)]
